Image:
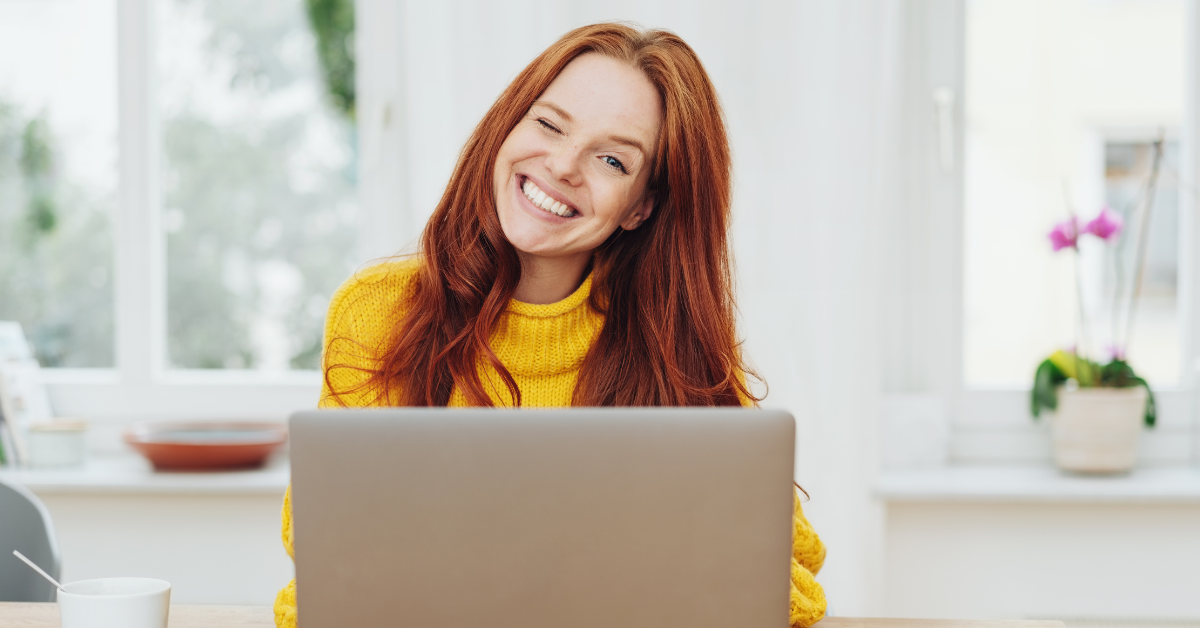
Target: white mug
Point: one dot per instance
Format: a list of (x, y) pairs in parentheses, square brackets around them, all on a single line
[(115, 603), (57, 444)]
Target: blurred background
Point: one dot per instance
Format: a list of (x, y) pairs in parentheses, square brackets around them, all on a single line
[(183, 184)]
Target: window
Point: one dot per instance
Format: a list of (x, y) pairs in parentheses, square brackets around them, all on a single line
[(58, 176), (1063, 100), (178, 199), (257, 184), (1016, 113)]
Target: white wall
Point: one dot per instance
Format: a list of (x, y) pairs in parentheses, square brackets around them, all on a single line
[(213, 549), (1015, 561)]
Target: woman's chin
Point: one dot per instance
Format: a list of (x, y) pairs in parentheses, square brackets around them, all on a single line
[(539, 245), (539, 249), (529, 235)]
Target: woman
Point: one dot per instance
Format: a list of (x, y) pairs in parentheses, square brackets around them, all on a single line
[(579, 256)]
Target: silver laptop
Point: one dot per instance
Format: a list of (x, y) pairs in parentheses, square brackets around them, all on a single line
[(543, 518)]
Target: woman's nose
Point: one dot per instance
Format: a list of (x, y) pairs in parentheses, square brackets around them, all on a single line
[(565, 164)]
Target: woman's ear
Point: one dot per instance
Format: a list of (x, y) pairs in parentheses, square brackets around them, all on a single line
[(641, 214)]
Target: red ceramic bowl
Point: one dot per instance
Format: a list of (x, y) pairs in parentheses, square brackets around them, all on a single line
[(206, 446)]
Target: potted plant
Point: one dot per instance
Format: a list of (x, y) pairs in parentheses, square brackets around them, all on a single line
[(1098, 408)]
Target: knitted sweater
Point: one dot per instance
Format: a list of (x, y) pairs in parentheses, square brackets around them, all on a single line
[(542, 346)]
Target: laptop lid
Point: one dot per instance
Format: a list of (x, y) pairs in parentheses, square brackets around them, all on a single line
[(527, 518)]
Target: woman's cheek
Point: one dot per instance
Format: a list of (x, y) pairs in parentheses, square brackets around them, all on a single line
[(606, 200)]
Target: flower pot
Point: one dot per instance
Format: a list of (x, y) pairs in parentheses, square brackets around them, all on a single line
[(1096, 430)]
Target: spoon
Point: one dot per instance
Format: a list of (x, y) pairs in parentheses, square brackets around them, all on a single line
[(39, 570)]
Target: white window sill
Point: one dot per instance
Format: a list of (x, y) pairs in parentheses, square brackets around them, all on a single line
[(133, 475), (1038, 484)]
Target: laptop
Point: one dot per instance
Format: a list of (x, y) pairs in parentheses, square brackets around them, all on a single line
[(581, 517)]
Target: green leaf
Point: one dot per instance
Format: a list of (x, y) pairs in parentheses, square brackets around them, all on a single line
[(1151, 416), (1088, 373), (1046, 381), (1117, 374), (333, 23)]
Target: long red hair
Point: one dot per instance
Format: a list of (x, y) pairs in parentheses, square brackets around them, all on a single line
[(665, 288)]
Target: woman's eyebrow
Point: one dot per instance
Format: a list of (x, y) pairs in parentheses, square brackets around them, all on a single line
[(559, 110), (629, 141)]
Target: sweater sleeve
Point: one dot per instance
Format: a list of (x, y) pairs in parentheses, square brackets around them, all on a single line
[(285, 600), (342, 347), (808, 554)]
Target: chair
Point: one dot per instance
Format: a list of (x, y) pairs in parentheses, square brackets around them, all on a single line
[(25, 526)]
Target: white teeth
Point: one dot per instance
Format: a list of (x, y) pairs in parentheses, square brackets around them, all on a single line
[(543, 200)]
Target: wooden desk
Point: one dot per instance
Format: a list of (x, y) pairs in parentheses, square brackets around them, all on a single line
[(881, 622), (46, 616)]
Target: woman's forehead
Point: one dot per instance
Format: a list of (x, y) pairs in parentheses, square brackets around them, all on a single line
[(598, 94)]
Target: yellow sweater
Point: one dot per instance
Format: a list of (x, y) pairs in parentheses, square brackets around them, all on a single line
[(542, 346)]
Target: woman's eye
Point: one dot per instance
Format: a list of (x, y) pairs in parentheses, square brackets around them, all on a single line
[(614, 162), (544, 123)]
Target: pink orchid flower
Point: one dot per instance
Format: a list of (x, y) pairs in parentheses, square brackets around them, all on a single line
[(1065, 234), (1107, 226)]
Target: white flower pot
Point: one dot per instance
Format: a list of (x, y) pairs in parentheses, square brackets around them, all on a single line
[(1096, 430)]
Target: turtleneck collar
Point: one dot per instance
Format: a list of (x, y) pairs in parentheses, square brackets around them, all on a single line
[(547, 339)]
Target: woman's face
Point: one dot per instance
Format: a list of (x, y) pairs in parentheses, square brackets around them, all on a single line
[(576, 166)]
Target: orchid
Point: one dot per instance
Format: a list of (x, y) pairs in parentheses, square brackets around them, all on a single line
[(1065, 234), (1106, 226), (1074, 364)]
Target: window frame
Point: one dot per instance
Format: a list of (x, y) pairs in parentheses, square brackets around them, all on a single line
[(993, 425), (140, 386)]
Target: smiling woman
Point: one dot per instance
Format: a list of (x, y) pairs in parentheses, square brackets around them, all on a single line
[(621, 133), (579, 256)]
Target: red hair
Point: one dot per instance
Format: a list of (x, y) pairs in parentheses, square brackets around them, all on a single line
[(665, 288)]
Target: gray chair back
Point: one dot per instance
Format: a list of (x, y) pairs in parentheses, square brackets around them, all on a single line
[(25, 526)]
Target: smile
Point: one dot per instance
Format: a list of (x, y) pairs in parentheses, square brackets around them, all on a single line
[(543, 201)]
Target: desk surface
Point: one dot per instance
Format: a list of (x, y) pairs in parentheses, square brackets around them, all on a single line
[(46, 616)]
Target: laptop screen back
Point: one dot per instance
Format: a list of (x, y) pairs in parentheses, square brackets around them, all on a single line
[(522, 518)]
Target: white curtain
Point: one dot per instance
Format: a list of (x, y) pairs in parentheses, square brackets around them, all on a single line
[(810, 93)]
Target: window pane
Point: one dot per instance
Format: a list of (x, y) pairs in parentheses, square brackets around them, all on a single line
[(58, 176), (258, 182), (1064, 100)]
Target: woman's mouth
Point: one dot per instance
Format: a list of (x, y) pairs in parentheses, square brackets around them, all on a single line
[(544, 202)]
